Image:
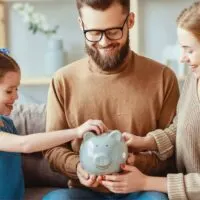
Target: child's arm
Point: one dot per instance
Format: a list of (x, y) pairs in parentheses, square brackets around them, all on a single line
[(41, 141)]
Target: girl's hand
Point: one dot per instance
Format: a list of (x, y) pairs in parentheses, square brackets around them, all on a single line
[(132, 180), (91, 125)]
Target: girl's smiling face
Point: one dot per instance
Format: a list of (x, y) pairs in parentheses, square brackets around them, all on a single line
[(9, 84)]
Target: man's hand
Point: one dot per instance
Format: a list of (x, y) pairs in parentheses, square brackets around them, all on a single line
[(91, 125), (86, 179), (131, 159)]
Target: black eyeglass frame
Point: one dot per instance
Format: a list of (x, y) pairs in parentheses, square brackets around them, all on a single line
[(85, 31)]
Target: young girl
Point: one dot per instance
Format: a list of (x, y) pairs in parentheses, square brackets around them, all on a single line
[(182, 136), (11, 177)]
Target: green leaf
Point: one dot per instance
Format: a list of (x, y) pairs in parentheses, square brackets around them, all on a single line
[(35, 28), (30, 26)]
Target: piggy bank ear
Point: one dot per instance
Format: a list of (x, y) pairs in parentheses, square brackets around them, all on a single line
[(116, 135), (88, 135)]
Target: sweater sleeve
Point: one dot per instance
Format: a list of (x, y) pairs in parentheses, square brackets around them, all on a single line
[(165, 140), (61, 158), (183, 187)]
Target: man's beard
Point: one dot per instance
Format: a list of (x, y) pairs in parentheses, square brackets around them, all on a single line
[(108, 63)]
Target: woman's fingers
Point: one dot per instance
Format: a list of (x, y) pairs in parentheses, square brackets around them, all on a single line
[(128, 168), (113, 186), (126, 136), (115, 178)]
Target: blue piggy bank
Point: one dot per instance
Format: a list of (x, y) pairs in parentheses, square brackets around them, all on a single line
[(103, 154)]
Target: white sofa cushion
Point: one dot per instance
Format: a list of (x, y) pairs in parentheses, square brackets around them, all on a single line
[(29, 118)]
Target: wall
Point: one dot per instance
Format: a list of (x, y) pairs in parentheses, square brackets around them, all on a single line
[(157, 25), (29, 49), (33, 94)]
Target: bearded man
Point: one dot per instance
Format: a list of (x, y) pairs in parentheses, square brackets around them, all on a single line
[(126, 91)]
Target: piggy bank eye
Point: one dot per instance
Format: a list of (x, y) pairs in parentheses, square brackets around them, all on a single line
[(107, 145), (97, 145)]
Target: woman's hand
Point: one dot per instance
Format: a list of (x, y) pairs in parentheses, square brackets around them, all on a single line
[(132, 180), (137, 143), (96, 126)]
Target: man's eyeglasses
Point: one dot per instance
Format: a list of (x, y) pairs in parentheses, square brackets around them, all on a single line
[(95, 35)]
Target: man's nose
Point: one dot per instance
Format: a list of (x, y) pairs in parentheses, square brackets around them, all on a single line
[(104, 41)]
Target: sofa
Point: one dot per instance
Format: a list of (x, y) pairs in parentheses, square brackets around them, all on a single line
[(39, 178)]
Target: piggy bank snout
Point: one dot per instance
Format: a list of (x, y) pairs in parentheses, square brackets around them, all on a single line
[(102, 160)]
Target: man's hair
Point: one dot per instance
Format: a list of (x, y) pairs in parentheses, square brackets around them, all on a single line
[(7, 64), (189, 19), (103, 4)]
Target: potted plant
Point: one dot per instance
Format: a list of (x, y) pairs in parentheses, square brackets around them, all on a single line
[(37, 23)]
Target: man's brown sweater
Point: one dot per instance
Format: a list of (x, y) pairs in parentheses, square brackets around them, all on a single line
[(138, 97)]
